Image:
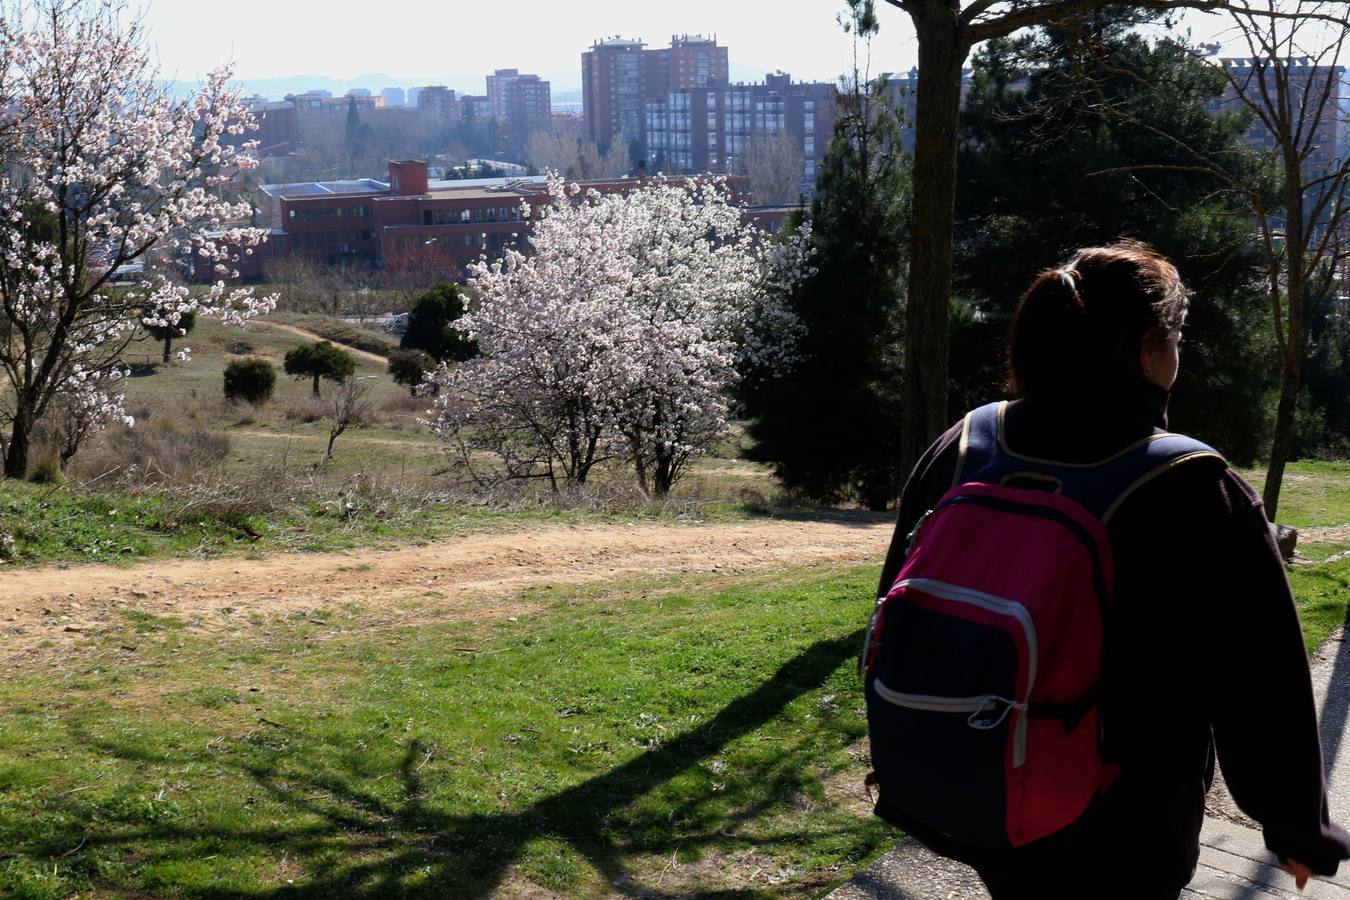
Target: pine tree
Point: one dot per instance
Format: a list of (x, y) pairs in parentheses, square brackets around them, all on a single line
[(1046, 170), (830, 425)]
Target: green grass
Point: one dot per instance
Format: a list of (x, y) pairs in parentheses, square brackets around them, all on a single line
[(1313, 494), (1323, 595), (695, 741)]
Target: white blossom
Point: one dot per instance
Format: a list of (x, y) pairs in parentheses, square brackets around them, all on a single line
[(104, 167), (620, 332)]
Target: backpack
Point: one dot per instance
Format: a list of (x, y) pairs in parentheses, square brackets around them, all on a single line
[(982, 663)]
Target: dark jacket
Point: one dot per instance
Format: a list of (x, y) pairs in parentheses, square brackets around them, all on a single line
[(1203, 651)]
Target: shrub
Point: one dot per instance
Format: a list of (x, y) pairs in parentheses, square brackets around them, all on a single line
[(430, 324), (47, 471), (409, 367), (251, 380), (159, 453), (310, 409)]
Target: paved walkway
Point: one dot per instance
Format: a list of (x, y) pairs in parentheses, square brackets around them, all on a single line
[(1234, 863)]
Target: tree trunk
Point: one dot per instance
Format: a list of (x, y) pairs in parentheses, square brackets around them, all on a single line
[(21, 435), (942, 52), (1285, 424), (168, 347), (663, 476), (316, 386), (876, 494), (1295, 338)]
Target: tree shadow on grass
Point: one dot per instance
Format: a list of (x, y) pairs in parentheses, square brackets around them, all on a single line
[(356, 843)]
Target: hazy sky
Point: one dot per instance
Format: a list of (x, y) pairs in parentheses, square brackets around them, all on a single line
[(416, 41)]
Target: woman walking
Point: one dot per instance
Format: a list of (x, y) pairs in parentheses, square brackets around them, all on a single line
[(1091, 609)]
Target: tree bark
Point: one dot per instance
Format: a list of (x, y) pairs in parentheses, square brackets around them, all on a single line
[(168, 347), (1283, 444), (943, 46), (21, 436), (1295, 340), (316, 386)]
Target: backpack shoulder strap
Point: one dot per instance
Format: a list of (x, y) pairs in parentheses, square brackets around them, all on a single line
[(1101, 486)]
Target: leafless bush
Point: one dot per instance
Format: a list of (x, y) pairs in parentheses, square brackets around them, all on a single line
[(403, 412), (346, 403), (157, 452), (310, 409)]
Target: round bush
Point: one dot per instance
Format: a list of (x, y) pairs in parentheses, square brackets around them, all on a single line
[(409, 367), (250, 379)]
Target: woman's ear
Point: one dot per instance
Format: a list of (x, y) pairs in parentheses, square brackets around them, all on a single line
[(1154, 338)]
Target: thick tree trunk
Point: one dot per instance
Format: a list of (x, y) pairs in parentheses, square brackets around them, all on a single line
[(942, 52), (21, 436), (877, 495), (168, 347), (316, 386)]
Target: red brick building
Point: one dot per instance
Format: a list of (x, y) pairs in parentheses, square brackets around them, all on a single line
[(371, 224)]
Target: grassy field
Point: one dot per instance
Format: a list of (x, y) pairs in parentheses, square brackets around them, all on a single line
[(684, 740), (695, 739), (252, 479)]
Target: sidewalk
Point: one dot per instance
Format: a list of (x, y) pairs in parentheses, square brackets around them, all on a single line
[(1234, 863)]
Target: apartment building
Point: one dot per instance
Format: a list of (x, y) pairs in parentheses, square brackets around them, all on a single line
[(619, 76), (521, 105), (612, 89), (1306, 79), (323, 103), (710, 129), (437, 103)]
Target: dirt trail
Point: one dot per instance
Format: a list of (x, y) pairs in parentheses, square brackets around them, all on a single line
[(310, 335), (467, 577)]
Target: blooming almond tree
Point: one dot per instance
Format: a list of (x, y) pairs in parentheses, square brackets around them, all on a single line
[(102, 168), (620, 334)]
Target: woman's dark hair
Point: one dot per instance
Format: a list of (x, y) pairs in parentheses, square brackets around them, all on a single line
[(1080, 326)]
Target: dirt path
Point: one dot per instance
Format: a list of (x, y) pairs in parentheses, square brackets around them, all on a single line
[(356, 436), (311, 336), (474, 576), (1330, 534)]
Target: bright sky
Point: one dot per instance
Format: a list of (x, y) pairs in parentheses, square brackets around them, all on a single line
[(419, 41)]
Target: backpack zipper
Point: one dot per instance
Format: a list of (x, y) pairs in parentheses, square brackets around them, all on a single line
[(1010, 608), (973, 705)]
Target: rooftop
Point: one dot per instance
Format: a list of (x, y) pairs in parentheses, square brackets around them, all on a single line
[(320, 188), (471, 194), (618, 43), (450, 184)]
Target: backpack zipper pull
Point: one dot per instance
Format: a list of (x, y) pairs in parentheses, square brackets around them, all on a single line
[(918, 526)]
